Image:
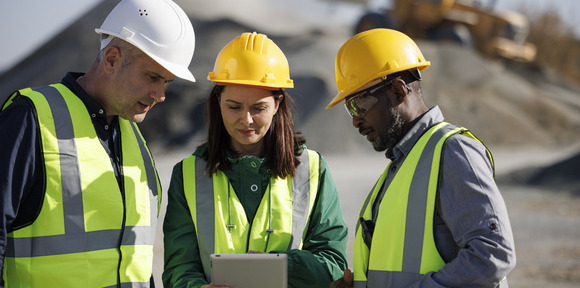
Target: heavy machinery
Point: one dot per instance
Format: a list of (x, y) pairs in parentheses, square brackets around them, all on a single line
[(466, 22)]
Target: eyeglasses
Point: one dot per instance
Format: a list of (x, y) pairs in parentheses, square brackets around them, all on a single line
[(358, 104)]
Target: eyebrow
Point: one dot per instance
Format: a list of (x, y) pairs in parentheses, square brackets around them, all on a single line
[(240, 103), (230, 100)]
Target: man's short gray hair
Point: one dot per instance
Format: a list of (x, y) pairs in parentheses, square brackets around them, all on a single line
[(128, 51)]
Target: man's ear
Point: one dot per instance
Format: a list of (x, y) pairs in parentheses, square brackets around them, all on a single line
[(400, 89), (112, 59)]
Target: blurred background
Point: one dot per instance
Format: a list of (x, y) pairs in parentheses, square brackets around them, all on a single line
[(509, 70)]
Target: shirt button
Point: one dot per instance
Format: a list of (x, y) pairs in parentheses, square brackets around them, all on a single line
[(93, 115), (254, 187), (106, 127), (101, 111), (253, 164)]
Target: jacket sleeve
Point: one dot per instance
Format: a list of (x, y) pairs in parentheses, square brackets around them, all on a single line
[(323, 255), (20, 171), (183, 267), (472, 228)]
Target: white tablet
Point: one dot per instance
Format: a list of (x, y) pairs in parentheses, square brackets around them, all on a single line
[(250, 270)]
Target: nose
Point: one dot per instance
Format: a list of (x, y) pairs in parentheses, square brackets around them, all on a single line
[(159, 93), (356, 121), (247, 117)]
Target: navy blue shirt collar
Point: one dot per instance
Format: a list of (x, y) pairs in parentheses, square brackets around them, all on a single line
[(95, 109)]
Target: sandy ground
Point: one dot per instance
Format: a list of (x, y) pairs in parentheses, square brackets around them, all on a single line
[(546, 224)]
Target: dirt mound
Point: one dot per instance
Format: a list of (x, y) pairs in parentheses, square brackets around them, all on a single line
[(501, 106), (561, 176)]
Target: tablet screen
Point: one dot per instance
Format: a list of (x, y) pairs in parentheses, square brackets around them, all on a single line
[(250, 270)]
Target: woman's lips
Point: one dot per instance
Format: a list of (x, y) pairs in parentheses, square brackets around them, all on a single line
[(246, 131)]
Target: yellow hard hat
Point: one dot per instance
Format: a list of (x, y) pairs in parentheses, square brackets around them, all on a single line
[(252, 59), (371, 55)]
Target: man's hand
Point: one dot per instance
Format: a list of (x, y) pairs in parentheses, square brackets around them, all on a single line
[(344, 282)]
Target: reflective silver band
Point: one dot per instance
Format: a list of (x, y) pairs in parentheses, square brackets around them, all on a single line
[(417, 204), (204, 210), (391, 279), (131, 285), (399, 279), (149, 167), (76, 243), (70, 175), (152, 180), (300, 200)]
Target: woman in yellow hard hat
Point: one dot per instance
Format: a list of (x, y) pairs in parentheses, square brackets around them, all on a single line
[(253, 186)]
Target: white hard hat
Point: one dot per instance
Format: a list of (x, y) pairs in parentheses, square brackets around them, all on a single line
[(159, 28)]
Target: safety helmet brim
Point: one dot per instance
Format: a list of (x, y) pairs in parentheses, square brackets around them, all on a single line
[(160, 29), (371, 55), (252, 59), (341, 95), (253, 84)]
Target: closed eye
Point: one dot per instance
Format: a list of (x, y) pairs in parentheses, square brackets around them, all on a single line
[(259, 108), (155, 77)]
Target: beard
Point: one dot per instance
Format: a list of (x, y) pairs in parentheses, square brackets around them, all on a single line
[(391, 135)]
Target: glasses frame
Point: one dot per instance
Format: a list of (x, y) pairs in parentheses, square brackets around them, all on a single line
[(350, 102)]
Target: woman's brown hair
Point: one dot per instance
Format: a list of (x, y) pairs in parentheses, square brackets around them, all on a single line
[(282, 143)]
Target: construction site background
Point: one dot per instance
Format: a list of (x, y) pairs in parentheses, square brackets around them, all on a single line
[(529, 116)]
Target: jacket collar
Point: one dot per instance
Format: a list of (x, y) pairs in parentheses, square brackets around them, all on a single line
[(430, 118)]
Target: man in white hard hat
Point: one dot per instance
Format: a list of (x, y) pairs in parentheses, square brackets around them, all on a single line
[(79, 192)]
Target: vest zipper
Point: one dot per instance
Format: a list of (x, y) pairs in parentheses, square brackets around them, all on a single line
[(123, 223), (248, 238)]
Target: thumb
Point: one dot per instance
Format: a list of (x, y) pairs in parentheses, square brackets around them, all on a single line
[(348, 276)]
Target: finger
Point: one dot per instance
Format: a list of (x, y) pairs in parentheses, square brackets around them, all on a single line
[(348, 276)]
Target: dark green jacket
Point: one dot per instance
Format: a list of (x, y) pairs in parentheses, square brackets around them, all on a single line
[(323, 255)]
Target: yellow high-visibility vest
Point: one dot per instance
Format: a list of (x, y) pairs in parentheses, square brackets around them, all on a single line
[(89, 232), (403, 246), (280, 223)]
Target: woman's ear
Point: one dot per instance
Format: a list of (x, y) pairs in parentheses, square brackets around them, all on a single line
[(277, 100)]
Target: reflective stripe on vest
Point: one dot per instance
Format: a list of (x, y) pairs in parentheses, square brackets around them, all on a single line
[(403, 245), (86, 224), (212, 233)]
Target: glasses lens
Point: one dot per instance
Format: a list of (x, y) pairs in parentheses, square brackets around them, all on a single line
[(359, 105)]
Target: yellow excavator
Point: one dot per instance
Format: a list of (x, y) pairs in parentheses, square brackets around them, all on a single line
[(466, 22)]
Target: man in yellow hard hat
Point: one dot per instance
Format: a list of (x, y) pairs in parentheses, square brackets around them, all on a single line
[(435, 217), (79, 192)]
